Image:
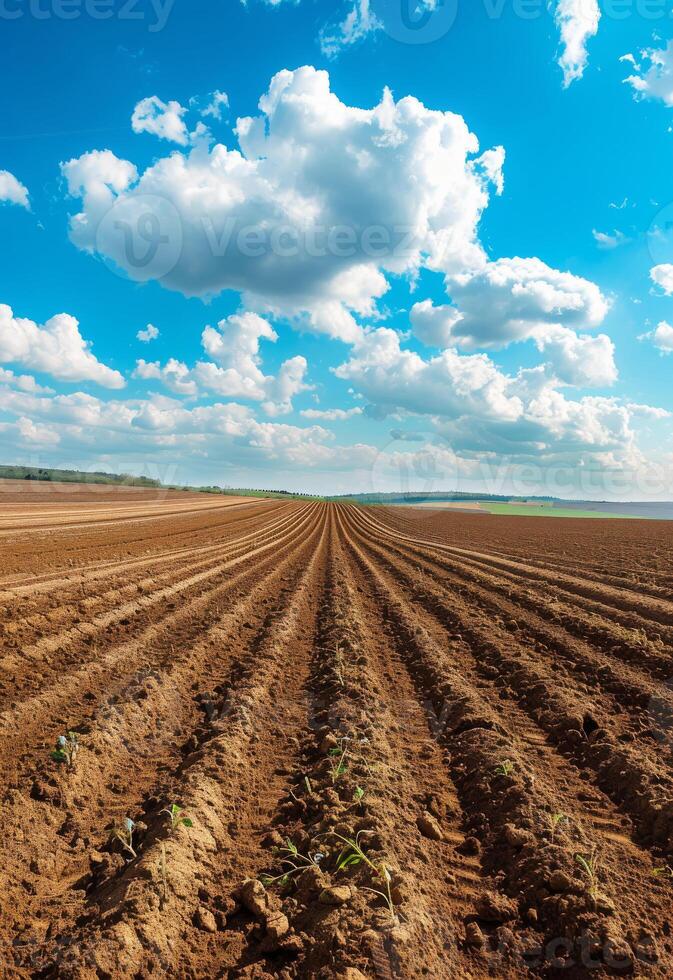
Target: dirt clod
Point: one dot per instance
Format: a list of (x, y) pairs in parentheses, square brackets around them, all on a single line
[(429, 827)]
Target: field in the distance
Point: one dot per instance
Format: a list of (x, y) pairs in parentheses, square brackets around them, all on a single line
[(485, 705)]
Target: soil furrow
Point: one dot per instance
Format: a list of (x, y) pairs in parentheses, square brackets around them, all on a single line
[(141, 920), (486, 738)]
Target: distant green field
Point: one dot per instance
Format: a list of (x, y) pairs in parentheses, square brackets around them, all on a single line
[(549, 510)]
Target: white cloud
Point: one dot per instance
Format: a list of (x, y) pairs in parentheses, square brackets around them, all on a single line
[(311, 203), (218, 102), (234, 369), (608, 241), (57, 348), (433, 325), (577, 359), (481, 410), (661, 337), (506, 301), (37, 434), (662, 275), (12, 190), (175, 375), (331, 414), (653, 76), (226, 436), (149, 333), (162, 119), (445, 385), (577, 20), (360, 22), (23, 382)]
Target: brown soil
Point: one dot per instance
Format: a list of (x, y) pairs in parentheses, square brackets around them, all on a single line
[(485, 707)]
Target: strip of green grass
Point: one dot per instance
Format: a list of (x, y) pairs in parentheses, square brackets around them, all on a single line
[(548, 510)]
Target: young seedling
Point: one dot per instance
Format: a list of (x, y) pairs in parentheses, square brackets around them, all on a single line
[(66, 749), (124, 834), (175, 815), (294, 863), (590, 865), (504, 768), (353, 855), (665, 872), (339, 755), (358, 797), (555, 820)]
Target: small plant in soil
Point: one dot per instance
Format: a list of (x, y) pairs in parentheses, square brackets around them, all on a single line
[(176, 818), (504, 768), (339, 756), (352, 855), (665, 872), (590, 866), (555, 821), (124, 834), (66, 749), (293, 862)]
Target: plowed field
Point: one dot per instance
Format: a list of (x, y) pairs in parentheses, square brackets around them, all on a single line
[(483, 705)]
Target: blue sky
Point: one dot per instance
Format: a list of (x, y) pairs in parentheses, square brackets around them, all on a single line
[(518, 340)]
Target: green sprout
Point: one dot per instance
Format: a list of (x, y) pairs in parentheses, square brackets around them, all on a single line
[(555, 820), (294, 862), (665, 872), (352, 855), (174, 813), (66, 749), (339, 755), (504, 768), (590, 866)]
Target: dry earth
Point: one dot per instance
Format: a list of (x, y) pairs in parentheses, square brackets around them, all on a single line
[(484, 704)]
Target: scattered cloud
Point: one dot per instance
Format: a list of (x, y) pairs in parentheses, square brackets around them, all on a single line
[(162, 119), (219, 101), (662, 275), (506, 301), (577, 21), (360, 22), (234, 369), (608, 241), (174, 375), (661, 337), (149, 333), (57, 348), (12, 191), (653, 74), (331, 414)]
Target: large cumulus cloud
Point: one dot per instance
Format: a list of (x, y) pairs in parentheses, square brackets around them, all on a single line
[(306, 216)]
